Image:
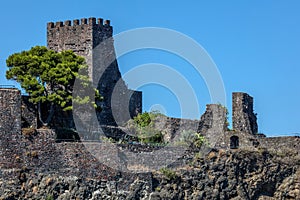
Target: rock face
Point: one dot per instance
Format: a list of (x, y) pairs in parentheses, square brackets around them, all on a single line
[(220, 174)]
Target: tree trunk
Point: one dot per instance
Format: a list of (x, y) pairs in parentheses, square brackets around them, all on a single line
[(49, 117)]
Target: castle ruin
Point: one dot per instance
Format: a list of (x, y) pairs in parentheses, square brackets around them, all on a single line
[(83, 37)]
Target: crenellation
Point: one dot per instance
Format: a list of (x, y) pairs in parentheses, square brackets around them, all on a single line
[(107, 22), (92, 21), (59, 24), (50, 25), (100, 21), (67, 23), (83, 21), (75, 22)]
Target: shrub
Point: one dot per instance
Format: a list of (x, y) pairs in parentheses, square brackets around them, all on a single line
[(49, 197), (191, 138), (142, 120), (168, 173), (151, 137), (146, 118), (144, 128)]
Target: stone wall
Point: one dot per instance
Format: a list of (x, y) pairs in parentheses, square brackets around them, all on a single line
[(10, 110), (10, 125), (213, 124), (81, 36), (243, 117), (281, 143), (173, 127)]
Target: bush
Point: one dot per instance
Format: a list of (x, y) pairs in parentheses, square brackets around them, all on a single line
[(142, 120), (191, 138), (144, 128), (146, 118), (168, 173), (49, 197), (151, 136)]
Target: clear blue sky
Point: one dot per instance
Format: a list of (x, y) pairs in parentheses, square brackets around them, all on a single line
[(255, 45)]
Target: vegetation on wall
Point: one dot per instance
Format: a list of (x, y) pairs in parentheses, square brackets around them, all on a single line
[(143, 124), (191, 138), (48, 77), (146, 119)]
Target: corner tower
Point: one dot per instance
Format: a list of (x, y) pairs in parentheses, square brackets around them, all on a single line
[(243, 117), (92, 39)]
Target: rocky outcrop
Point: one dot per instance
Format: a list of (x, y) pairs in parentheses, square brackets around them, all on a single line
[(238, 174)]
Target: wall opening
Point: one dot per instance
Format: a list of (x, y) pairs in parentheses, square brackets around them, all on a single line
[(234, 142)]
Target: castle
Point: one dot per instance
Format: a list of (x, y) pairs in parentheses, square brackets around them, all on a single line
[(83, 37)]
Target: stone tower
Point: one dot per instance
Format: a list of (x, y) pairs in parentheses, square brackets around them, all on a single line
[(243, 117), (93, 40)]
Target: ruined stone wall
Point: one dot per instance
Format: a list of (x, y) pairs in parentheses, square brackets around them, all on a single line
[(10, 125), (93, 40), (10, 110), (245, 141), (213, 124), (173, 127), (243, 117), (42, 152), (282, 144)]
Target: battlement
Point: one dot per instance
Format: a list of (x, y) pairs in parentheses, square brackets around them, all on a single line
[(92, 21)]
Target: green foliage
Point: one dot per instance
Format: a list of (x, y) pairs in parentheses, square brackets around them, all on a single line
[(149, 135), (109, 140), (142, 119), (200, 140), (191, 138), (144, 126), (186, 138), (168, 173), (48, 76), (146, 118), (49, 197)]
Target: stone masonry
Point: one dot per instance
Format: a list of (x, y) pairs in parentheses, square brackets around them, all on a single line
[(93, 40), (243, 117), (10, 109), (10, 125), (213, 125)]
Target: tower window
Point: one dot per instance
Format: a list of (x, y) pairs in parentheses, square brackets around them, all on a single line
[(234, 142)]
